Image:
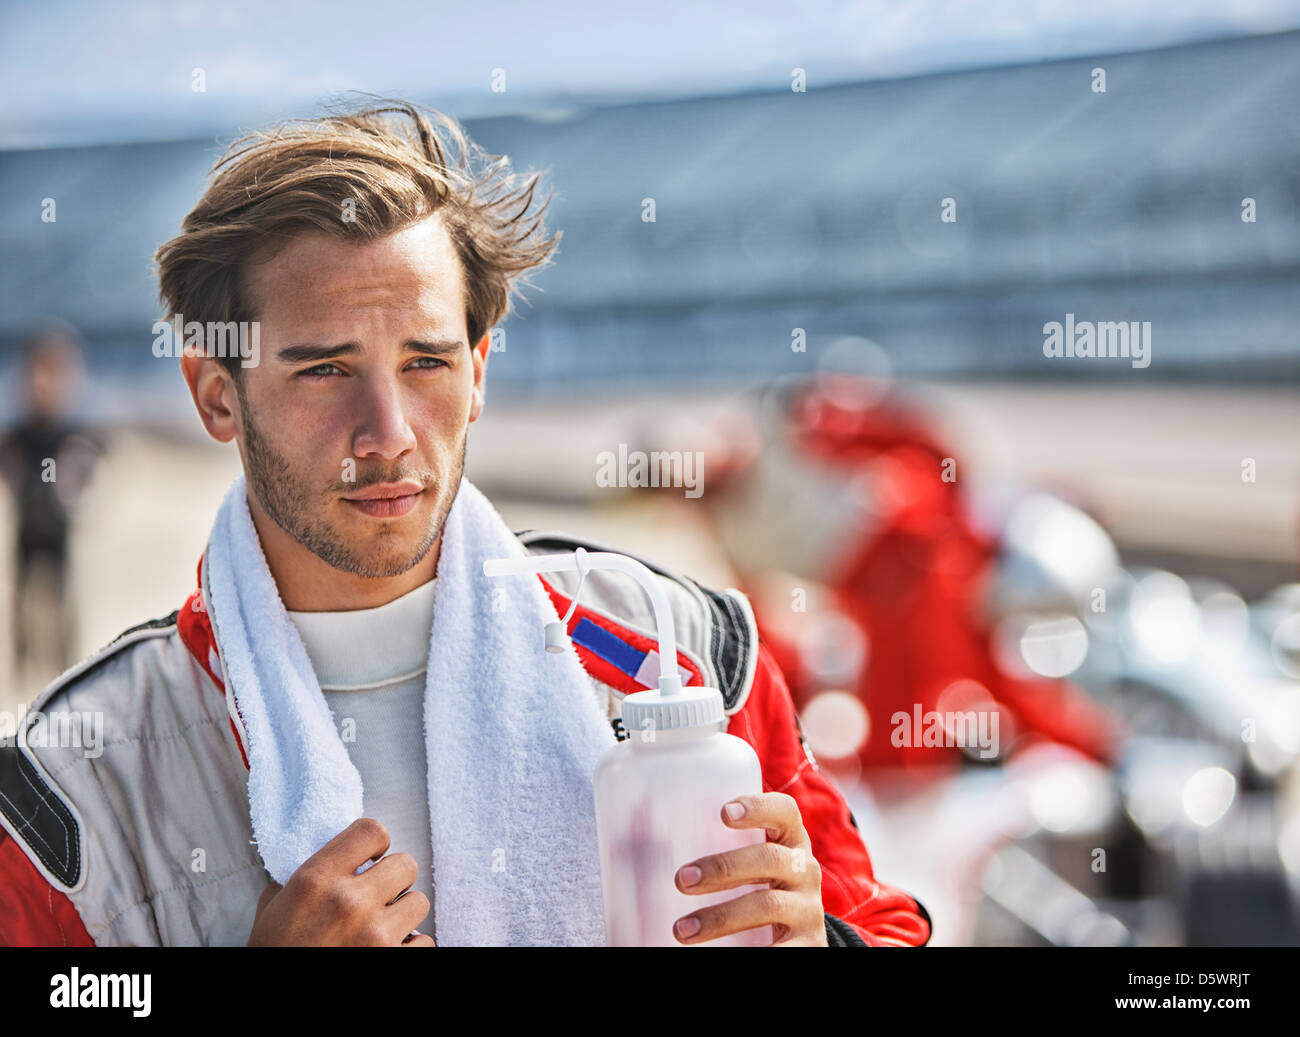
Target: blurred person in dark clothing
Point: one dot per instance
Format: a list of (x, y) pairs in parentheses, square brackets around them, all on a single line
[(47, 459)]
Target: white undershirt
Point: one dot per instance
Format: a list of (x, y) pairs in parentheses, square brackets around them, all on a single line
[(371, 666)]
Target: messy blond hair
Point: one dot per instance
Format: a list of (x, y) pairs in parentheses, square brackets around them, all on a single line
[(356, 174)]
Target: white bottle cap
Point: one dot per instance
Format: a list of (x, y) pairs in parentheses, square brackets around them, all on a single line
[(656, 711)]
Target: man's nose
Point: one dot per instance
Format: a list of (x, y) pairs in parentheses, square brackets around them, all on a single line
[(383, 430)]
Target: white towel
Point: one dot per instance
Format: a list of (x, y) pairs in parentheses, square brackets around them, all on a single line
[(512, 735)]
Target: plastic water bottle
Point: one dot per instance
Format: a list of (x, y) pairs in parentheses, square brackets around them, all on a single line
[(660, 794), (659, 798)]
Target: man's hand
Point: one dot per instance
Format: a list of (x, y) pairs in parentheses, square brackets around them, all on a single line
[(793, 904), (326, 904)]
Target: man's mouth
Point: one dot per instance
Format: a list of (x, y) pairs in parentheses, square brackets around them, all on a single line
[(386, 500)]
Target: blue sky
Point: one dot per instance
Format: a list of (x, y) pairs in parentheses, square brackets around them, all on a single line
[(82, 72)]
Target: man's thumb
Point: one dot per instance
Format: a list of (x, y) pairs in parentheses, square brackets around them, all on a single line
[(267, 894)]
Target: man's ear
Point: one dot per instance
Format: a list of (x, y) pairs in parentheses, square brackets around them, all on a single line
[(213, 389), (480, 355)]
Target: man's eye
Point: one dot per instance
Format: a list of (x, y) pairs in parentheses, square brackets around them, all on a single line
[(431, 359), (319, 371)]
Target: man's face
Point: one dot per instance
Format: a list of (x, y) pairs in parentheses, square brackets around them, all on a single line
[(353, 427)]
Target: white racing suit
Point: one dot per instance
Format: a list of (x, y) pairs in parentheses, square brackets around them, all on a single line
[(142, 837)]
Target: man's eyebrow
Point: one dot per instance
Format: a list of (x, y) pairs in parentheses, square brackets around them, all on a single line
[(302, 354), (436, 346)]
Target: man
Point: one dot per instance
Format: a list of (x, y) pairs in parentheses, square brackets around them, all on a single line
[(47, 459), (376, 252)]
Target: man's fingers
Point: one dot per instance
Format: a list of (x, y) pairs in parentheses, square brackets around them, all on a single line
[(784, 866), (406, 913), (775, 811), (365, 839), (396, 872), (773, 907)]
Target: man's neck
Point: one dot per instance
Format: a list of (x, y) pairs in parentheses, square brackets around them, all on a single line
[(307, 583)]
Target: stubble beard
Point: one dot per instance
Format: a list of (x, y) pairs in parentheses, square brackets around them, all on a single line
[(297, 509)]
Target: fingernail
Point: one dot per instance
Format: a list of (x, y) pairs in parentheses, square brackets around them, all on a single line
[(687, 927), (690, 875), (735, 811)]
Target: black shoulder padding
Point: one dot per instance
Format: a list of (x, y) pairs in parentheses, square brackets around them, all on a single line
[(149, 624), (731, 640), (38, 816), (731, 646)]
